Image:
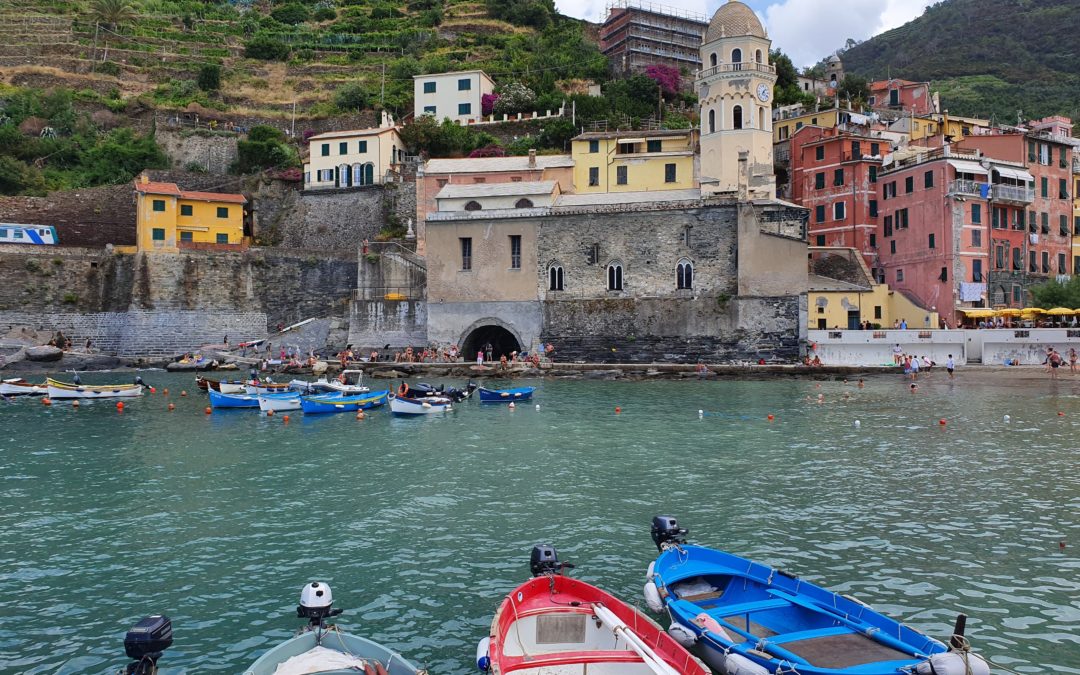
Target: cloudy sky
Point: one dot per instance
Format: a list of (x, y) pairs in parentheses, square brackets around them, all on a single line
[(806, 30)]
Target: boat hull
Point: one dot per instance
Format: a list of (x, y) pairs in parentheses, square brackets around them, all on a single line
[(411, 407), (279, 402), (22, 388), (231, 387), (62, 390), (746, 610), (220, 400), (318, 405), (505, 395), (579, 640), (346, 643)]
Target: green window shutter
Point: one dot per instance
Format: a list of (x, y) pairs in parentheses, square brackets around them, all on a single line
[(223, 212), (159, 204)]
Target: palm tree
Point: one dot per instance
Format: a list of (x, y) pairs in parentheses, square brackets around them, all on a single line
[(111, 13)]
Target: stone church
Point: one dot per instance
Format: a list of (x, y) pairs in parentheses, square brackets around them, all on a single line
[(717, 272)]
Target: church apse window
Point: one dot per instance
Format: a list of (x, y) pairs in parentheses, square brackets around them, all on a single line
[(712, 59), (684, 274), (555, 278), (614, 276), (736, 59), (472, 205)]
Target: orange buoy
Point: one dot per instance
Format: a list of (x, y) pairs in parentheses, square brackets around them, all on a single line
[(941, 421), (771, 418), (183, 393), (46, 401), (119, 405), (209, 410), (269, 413), (618, 410), (164, 392), (172, 407), (285, 419)]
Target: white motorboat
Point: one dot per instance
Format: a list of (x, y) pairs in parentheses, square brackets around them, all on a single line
[(428, 405), (61, 390), (279, 402), (20, 387)]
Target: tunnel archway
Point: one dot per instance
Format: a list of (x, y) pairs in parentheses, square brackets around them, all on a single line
[(501, 339)]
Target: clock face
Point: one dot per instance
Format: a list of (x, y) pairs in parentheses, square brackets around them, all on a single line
[(763, 92)]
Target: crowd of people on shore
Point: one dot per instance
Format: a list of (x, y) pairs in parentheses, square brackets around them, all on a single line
[(448, 354)]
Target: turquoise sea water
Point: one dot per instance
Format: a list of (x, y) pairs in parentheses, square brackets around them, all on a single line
[(421, 525)]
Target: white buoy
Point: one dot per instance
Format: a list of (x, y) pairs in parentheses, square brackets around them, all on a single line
[(511, 405), (858, 424), (537, 407), (1007, 419), (701, 413)]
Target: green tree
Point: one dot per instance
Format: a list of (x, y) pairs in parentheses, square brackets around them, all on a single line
[(290, 14), (209, 77), (112, 13), (17, 178), (854, 88), (120, 156), (264, 148), (1057, 294), (266, 48), (351, 96)]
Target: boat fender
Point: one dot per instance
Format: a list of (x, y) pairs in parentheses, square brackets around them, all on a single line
[(652, 597), (953, 663), (713, 626), (737, 664), (651, 571), (483, 657), (682, 635)]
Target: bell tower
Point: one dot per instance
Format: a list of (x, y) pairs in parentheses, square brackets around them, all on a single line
[(735, 90)]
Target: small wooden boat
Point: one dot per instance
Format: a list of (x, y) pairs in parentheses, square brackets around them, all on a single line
[(232, 387), (255, 388), (220, 400), (753, 619), (423, 389), (426, 405), (279, 402), (325, 649), (505, 395), (348, 383), (313, 405), (205, 383), (555, 624), (61, 390), (20, 387)]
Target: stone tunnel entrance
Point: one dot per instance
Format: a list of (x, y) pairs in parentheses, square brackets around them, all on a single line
[(501, 340)]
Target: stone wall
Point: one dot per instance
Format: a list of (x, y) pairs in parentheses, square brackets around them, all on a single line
[(212, 152), (64, 279), (332, 220), (375, 323)]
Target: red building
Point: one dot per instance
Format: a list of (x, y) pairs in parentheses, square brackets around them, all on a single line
[(1031, 225), (834, 175), (902, 95)]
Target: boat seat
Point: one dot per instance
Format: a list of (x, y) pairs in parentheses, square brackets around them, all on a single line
[(751, 607), (810, 634)]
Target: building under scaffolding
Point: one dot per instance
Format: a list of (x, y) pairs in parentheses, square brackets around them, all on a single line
[(638, 34)]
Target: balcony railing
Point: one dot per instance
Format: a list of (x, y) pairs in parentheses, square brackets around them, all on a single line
[(1013, 193), (965, 187), (745, 66)]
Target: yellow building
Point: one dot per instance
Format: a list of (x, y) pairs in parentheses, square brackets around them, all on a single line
[(1076, 218), (785, 127), (634, 161), (168, 218), (340, 159), (842, 294), (955, 127)]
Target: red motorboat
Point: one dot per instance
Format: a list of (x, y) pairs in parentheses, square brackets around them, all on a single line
[(555, 625)]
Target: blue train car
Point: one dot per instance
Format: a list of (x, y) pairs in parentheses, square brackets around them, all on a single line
[(43, 235)]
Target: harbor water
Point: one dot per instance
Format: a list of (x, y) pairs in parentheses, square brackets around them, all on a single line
[(422, 525)]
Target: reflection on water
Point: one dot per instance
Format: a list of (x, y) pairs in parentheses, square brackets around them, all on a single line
[(421, 524)]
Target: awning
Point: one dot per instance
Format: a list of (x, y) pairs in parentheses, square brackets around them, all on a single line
[(1018, 174), (631, 140), (964, 166), (977, 312)]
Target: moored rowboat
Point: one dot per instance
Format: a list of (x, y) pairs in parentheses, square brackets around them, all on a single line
[(62, 390), (220, 400), (428, 405), (337, 404), (555, 624), (279, 402), (20, 387), (753, 619), (506, 395)]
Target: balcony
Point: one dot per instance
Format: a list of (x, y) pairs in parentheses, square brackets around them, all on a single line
[(745, 66), (965, 187), (1013, 193)]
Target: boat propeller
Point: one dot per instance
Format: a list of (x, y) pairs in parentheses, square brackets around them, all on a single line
[(666, 532)]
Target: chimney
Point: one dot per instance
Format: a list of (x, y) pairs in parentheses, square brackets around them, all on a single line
[(532, 159), (144, 179)]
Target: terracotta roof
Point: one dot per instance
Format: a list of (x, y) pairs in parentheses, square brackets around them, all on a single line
[(154, 188), (734, 19), (214, 197)]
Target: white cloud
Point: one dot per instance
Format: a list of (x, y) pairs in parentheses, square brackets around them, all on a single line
[(808, 30)]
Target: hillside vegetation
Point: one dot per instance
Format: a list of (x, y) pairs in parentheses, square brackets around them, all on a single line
[(986, 57)]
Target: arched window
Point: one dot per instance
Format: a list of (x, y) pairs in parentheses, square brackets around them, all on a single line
[(472, 205), (343, 176), (614, 276), (736, 59), (757, 56), (523, 203), (369, 174), (712, 59), (357, 174), (712, 121), (555, 278), (736, 117), (684, 274)]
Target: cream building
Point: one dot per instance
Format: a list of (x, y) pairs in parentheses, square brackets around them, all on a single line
[(340, 159), (497, 196), (735, 89), (454, 96)]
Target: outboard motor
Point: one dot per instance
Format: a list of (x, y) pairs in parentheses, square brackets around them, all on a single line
[(76, 379), (666, 532), (139, 380), (145, 642), (544, 559), (316, 602)]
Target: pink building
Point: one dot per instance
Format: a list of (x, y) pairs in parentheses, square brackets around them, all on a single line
[(437, 173), (903, 95)]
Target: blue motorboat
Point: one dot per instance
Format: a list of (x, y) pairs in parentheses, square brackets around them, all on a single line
[(337, 404), (752, 619), (219, 400), (505, 395)]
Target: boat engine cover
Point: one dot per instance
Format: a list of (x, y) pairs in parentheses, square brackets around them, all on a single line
[(666, 530), (544, 559), (148, 638), (316, 595)]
